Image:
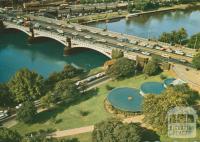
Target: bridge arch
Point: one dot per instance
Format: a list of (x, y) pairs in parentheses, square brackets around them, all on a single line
[(52, 38), (19, 29), (107, 54)]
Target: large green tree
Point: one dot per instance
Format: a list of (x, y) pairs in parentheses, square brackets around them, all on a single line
[(26, 112), (26, 85), (113, 130), (155, 107), (123, 67), (7, 135), (152, 68), (194, 41), (196, 61), (66, 89)]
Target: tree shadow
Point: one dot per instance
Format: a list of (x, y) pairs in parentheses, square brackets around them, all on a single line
[(44, 116), (149, 135)]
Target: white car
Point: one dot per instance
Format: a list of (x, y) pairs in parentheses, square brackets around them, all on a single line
[(146, 53), (179, 52), (60, 31), (100, 74), (88, 37), (189, 55), (158, 47)]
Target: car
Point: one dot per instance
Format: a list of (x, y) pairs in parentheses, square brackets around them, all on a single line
[(146, 53), (88, 37), (169, 50), (60, 31), (183, 61), (133, 42), (137, 49), (165, 55), (89, 79), (75, 33), (100, 75), (78, 29), (157, 47), (150, 46), (179, 52), (189, 55)]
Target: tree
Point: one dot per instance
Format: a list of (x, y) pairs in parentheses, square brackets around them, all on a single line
[(26, 112), (48, 100), (196, 61), (123, 67), (66, 89), (130, 7), (117, 54), (7, 135), (151, 68), (26, 85), (113, 130), (174, 37), (70, 71), (155, 107), (182, 35), (194, 41), (6, 99)]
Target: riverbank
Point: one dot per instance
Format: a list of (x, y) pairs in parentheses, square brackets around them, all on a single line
[(115, 16), (99, 17), (166, 9)]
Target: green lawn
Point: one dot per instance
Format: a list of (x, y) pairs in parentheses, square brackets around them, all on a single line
[(70, 116)]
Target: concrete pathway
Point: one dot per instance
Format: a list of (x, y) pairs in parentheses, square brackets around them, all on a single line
[(71, 132), (191, 76)]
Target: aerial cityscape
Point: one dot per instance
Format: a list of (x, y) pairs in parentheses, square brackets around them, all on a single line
[(99, 71)]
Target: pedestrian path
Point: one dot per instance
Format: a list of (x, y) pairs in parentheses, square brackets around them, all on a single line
[(71, 132)]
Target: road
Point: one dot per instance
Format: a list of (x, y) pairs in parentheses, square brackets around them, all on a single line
[(189, 75), (112, 41)]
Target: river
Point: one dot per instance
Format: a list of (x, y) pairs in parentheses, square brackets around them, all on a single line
[(153, 25), (44, 57)]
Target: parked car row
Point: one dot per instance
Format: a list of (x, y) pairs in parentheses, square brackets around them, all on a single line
[(91, 78), (3, 114)]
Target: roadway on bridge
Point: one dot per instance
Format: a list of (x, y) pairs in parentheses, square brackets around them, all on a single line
[(112, 42)]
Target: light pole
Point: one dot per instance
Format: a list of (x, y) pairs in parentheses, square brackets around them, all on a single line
[(195, 42)]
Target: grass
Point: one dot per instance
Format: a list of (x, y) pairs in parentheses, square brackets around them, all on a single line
[(71, 115)]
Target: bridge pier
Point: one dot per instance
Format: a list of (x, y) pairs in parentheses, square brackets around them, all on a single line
[(31, 38), (67, 48), (2, 26)]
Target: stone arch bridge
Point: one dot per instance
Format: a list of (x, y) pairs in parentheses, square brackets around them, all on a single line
[(63, 40)]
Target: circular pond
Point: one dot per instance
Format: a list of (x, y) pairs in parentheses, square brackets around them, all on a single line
[(151, 88), (126, 99), (168, 81)]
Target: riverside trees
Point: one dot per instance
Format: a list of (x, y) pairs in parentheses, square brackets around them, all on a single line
[(113, 130), (123, 67), (155, 108), (174, 37)]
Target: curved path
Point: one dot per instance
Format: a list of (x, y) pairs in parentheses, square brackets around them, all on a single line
[(70, 132)]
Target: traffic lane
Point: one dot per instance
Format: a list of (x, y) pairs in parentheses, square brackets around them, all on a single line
[(112, 42)]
